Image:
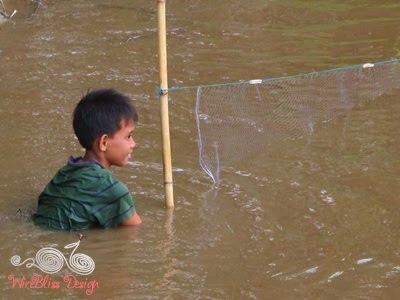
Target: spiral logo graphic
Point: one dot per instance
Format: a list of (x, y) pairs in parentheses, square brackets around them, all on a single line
[(51, 260), (15, 260), (81, 264)]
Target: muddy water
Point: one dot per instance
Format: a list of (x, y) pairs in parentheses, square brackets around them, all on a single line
[(314, 222)]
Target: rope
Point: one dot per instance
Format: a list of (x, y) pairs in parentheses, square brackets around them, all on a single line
[(256, 81)]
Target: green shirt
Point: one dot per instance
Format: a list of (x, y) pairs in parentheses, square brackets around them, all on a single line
[(83, 195)]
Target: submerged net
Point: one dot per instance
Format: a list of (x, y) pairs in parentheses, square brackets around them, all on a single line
[(239, 119)]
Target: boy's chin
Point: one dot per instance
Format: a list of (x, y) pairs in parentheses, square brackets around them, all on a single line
[(120, 164), (125, 163)]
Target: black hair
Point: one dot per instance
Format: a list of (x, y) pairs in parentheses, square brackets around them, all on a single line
[(101, 112)]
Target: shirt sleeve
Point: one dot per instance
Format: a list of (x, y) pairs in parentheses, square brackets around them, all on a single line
[(117, 205)]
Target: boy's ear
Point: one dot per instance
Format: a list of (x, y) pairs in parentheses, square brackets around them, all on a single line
[(103, 140)]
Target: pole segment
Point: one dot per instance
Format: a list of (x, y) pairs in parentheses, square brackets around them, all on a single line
[(163, 76)]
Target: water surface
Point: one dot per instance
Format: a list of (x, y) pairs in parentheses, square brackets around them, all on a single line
[(319, 221)]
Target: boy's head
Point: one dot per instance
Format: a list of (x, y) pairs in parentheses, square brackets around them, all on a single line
[(101, 112)]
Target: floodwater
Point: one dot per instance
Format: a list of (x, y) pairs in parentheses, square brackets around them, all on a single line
[(315, 222)]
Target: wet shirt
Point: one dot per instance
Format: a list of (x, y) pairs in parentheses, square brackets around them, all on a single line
[(83, 195)]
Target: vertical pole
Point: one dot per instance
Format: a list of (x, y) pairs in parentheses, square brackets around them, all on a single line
[(162, 40)]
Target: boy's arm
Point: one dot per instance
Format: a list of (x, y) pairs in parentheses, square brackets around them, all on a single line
[(133, 220)]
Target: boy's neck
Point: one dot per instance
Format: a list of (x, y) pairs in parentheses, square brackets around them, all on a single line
[(93, 156)]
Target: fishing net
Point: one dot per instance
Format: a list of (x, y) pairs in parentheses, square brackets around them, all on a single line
[(237, 120)]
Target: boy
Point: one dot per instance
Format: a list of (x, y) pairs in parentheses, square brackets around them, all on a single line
[(84, 193)]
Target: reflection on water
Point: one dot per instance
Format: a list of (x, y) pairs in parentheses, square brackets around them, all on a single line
[(303, 221)]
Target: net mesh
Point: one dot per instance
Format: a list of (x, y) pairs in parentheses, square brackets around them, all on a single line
[(237, 120)]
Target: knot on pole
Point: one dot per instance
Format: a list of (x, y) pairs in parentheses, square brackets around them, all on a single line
[(162, 92)]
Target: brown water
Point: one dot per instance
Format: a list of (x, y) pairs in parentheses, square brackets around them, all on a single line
[(322, 222)]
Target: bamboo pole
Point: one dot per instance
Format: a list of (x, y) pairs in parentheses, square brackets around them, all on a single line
[(163, 76)]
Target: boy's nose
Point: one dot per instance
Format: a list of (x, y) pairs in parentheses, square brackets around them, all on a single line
[(133, 144)]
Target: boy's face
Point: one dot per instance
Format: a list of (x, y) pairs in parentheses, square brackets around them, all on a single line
[(120, 145)]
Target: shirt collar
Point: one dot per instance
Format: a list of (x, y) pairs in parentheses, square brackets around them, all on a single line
[(78, 162)]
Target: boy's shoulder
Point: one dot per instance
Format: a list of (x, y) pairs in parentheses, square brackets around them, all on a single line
[(87, 179), (88, 173), (81, 195)]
